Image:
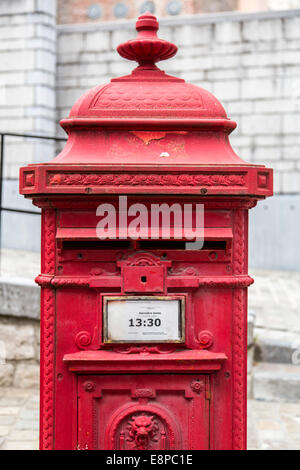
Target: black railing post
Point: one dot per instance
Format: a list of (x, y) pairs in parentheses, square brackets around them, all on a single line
[(1, 188), (2, 147)]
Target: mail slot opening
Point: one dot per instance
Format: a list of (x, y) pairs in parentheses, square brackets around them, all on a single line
[(144, 245), (207, 245), (97, 245), (182, 245)]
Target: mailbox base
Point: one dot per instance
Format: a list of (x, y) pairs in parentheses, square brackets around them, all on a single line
[(158, 412), (159, 406)]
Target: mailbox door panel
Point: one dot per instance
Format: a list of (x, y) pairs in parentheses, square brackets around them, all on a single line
[(151, 412)]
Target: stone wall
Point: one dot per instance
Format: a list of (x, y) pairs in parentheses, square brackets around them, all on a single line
[(27, 104), (19, 334), (250, 62), (27, 77)]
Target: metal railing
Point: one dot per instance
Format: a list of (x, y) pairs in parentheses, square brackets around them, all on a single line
[(3, 136)]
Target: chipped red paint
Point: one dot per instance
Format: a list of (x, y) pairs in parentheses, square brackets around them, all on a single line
[(157, 139), (147, 136)]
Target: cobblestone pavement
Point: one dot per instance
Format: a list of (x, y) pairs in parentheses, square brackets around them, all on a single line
[(271, 426), (19, 419)]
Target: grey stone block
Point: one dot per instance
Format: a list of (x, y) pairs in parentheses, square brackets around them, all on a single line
[(276, 382), (19, 300), (27, 376), (6, 375), (275, 346)]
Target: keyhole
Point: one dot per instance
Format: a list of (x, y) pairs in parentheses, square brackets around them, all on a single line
[(144, 279)]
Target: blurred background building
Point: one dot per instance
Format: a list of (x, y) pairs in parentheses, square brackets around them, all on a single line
[(82, 11)]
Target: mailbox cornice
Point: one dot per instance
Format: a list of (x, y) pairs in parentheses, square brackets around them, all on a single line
[(207, 180)]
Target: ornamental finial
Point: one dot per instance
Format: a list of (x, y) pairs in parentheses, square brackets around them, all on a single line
[(147, 48)]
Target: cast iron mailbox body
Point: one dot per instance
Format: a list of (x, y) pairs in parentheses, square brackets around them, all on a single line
[(157, 140)]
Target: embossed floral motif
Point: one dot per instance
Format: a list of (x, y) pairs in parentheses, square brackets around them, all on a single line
[(163, 349), (129, 96), (143, 393), (141, 259), (197, 386), (87, 179), (89, 386)]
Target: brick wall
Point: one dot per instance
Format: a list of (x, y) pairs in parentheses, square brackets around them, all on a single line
[(250, 62), (79, 11)]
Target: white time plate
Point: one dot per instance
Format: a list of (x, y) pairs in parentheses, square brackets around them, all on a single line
[(143, 319)]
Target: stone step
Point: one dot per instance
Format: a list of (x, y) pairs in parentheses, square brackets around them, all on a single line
[(276, 346), (276, 382)]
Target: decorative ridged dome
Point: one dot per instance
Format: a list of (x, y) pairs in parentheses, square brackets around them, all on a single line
[(148, 94), (147, 133)]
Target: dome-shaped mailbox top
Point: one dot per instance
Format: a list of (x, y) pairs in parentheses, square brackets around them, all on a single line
[(147, 132), (148, 96)]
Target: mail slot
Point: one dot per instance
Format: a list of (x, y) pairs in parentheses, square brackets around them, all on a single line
[(143, 338)]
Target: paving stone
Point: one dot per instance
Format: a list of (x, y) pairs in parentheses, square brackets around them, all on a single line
[(267, 428), (7, 420), (29, 414), (12, 401), (9, 410), (20, 445), (4, 430), (267, 425), (23, 435), (32, 425)]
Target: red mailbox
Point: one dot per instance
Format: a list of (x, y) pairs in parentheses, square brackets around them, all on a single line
[(143, 339)]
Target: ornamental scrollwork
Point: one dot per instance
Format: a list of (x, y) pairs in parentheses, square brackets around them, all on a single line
[(145, 349), (83, 339), (132, 179), (143, 393), (205, 339), (189, 271)]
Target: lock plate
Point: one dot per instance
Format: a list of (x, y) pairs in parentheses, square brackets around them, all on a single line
[(143, 279)]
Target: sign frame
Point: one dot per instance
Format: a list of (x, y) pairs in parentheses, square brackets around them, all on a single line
[(181, 318)]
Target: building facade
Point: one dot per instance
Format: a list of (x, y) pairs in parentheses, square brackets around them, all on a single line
[(82, 11)]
